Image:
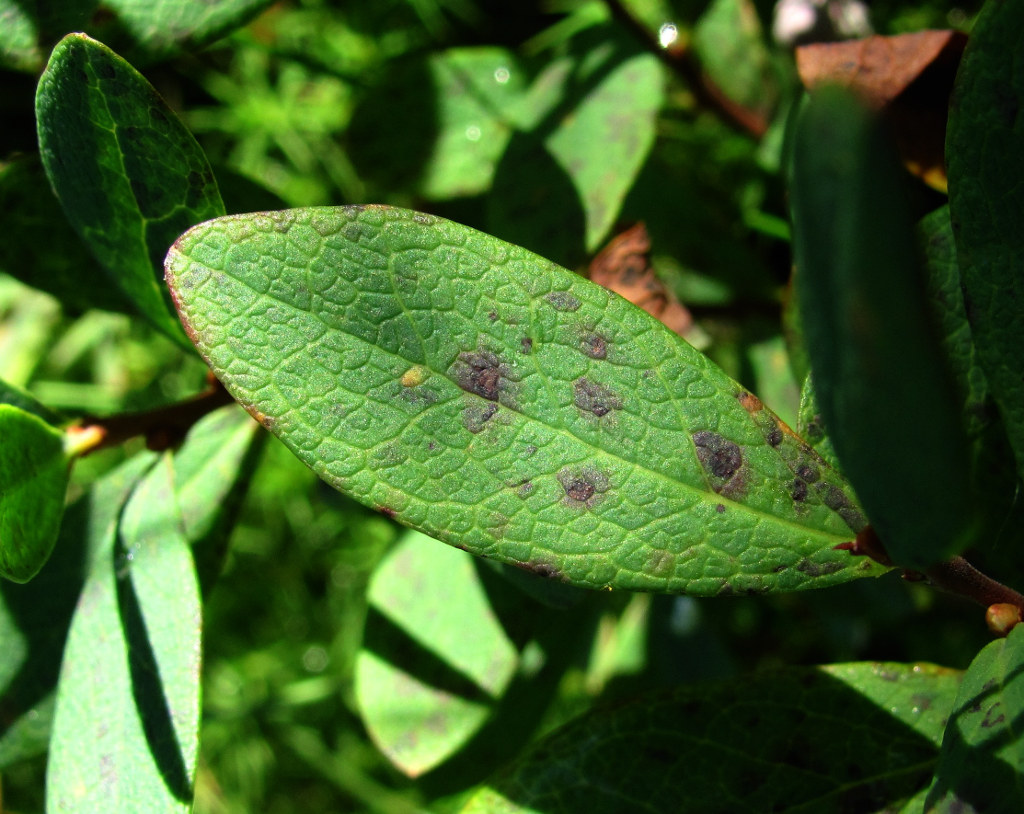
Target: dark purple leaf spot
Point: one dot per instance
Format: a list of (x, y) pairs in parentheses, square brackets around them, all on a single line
[(387, 511), (480, 372), (718, 455), (720, 508), (798, 490), (562, 301), (774, 436), (541, 569), (583, 487), (524, 489), (475, 416), (493, 316), (595, 398), (814, 569), (594, 345), (808, 473), (525, 346)]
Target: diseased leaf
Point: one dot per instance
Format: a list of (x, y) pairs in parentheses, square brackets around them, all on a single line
[(984, 147), (451, 380), (811, 424), (762, 743), (33, 479), (126, 722), (880, 376), (34, 618), (434, 662), (129, 175), (982, 759)]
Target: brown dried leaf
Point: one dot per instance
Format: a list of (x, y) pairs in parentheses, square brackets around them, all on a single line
[(909, 77), (623, 266)]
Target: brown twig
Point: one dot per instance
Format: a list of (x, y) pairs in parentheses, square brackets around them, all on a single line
[(163, 428), (681, 59)]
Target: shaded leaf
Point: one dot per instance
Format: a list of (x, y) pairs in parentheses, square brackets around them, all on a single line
[(879, 372), (986, 140), (623, 266), (982, 759), (26, 29), (126, 722), (762, 743), (34, 617), (129, 175), (33, 480), (16, 397), (435, 659), (593, 114), (447, 378), (811, 423)]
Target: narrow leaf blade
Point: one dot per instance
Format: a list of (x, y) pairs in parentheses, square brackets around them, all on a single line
[(984, 145), (33, 480), (129, 175), (880, 379), (493, 400)]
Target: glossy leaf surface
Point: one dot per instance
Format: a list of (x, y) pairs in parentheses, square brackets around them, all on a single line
[(434, 662), (129, 175), (880, 378), (985, 143), (982, 759), (763, 743), (126, 723), (33, 479), (493, 400)]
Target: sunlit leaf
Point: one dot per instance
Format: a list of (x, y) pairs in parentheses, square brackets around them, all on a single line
[(502, 404)]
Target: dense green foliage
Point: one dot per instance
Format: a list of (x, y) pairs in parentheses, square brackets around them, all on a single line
[(205, 624)]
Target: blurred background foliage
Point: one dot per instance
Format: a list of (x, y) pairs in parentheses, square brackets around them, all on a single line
[(457, 107)]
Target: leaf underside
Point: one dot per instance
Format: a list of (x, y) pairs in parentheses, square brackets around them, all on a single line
[(500, 403)]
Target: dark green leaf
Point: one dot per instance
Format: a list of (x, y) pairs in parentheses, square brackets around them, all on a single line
[(129, 176), (498, 402), (767, 743), (810, 423), (34, 618), (26, 28), (42, 250), (879, 372), (982, 762), (33, 479), (16, 397), (126, 722), (985, 143), (435, 658)]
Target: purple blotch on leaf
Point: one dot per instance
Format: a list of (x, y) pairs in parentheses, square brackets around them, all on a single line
[(595, 398)]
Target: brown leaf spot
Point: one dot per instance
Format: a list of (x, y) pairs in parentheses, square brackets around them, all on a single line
[(563, 301), (476, 415), (387, 511), (808, 473), (481, 372), (718, 455), (595, 398), (798, 490), (749, 402), (594, 345), (541, 569)]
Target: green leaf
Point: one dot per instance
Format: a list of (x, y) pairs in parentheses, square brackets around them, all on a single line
[(982, 762), (26, 26), (502, 404), (882, 386), (34, 618), (810, 423), (594, 118), (41, 249), (16, 397), (153, 31), (435, 658), (763, 743), (985, 142), (129, 175), (126, 723), (33, 479), (459, 103)]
